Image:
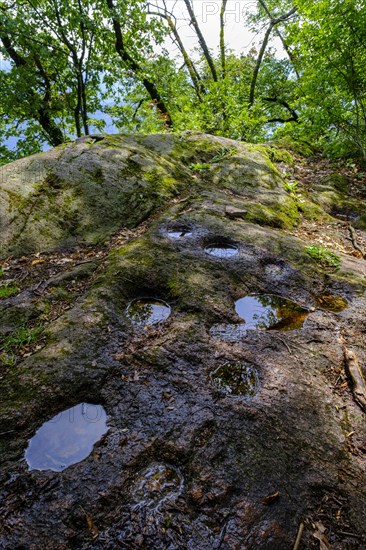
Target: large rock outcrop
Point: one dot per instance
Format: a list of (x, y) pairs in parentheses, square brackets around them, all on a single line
[(187, 462)]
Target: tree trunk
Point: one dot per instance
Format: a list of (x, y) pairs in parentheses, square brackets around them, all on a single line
[(196, 80), (205, 50), (222, 39), (258, 64), (137, 69), (53, 133), (272, 24)]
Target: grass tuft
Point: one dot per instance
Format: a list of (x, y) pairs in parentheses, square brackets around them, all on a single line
[(323, 256)]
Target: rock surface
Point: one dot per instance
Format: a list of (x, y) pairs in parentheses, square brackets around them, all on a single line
[(183, 465)]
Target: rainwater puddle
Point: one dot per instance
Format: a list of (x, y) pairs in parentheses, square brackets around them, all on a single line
[(179, 232), (157, 484), (236, 379), (67, 438), (335, 304), (221, 250), (145, 312), (270, 312)]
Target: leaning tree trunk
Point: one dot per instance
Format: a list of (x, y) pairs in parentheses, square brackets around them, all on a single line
[(134, 66)]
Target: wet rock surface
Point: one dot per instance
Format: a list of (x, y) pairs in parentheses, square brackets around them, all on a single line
[(187, 462)]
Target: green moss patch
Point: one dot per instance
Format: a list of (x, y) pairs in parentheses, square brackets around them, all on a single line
[(263, 215), (278, 155), (323, 256), (17, 343), (8, 289)]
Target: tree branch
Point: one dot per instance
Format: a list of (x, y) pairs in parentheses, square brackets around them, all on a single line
[(272, 24), (195, 77), (222, 39), (294, 116), (279, 34)]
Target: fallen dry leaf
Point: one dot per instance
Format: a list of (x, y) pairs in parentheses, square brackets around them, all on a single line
[(270, 499), (319, 534), (91, 526)]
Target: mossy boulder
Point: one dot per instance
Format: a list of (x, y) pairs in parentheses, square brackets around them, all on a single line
[(332, 194), (83, 192)]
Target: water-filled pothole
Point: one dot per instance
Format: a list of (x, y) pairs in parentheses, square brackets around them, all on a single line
[(344, 213), (155, 485), (332, 303), (236, 379), (221, 250), (179, 232), (145, 312), (270, 312), (67, 438)]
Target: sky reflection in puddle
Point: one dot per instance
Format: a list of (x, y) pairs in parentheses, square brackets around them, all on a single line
[(145, 312), (236, 379), (67, 438), (223, 251), (270, 312)]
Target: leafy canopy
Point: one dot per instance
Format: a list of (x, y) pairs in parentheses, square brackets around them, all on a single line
[(70, 65)]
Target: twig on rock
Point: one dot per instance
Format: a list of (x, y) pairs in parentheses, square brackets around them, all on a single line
[(96, 260), (299, 535), (356, 246), (347, 534), (358, 380), (286, 345)]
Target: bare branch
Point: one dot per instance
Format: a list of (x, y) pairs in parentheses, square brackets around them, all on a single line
[(294, 116), (279, 34), (195, 77), (205, 50)]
